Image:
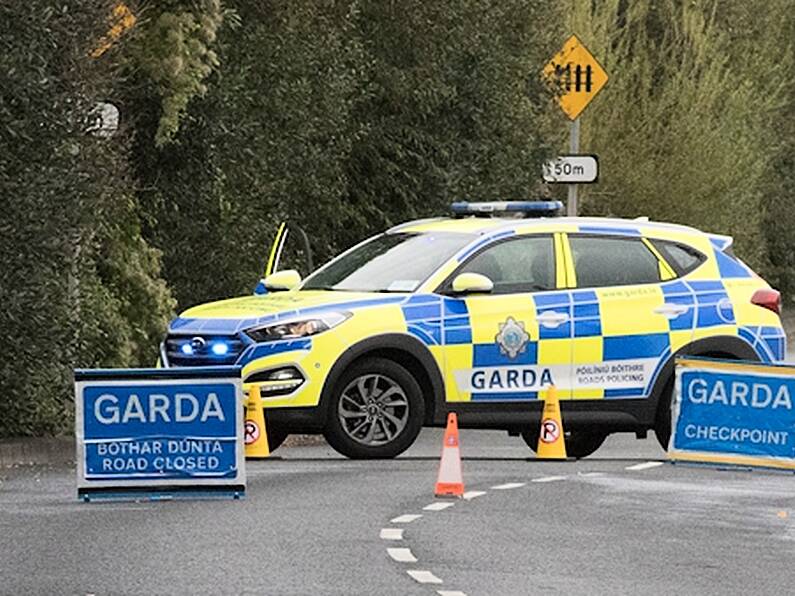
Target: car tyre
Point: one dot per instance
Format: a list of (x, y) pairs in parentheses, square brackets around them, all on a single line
[(275, 438), (662, 423), (376, 410), (579, 443)]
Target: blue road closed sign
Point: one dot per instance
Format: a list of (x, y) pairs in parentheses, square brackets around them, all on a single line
[(159, 431), (734, 413)]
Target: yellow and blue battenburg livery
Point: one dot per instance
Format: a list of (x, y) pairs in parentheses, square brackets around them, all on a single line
[(479, 313)]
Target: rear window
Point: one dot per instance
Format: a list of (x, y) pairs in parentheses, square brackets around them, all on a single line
[(681, 257), (607, 261)]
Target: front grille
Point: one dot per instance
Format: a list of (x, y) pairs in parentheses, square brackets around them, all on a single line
[(203, 350)]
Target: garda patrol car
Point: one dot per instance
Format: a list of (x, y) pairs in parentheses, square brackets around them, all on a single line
[(479, 314)]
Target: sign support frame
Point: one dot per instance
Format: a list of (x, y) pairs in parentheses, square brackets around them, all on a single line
[(574, 149)]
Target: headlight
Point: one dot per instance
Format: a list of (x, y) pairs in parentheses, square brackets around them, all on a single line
[(296, 328)]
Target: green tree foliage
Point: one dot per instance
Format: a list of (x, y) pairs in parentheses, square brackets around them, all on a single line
[(682, 128), (453, 107), (344, 118), (78, 285), (175, 53), (762, 46), (268, 142)]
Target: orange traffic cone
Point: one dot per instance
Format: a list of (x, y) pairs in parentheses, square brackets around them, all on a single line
[(256, 435), (551, 444), (450, 482)]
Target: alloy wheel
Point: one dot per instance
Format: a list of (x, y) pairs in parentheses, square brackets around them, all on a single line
[(373, 409)]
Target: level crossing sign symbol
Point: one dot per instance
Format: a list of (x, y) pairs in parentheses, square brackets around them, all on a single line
[(575, 76), (550, 430), (251, 431)]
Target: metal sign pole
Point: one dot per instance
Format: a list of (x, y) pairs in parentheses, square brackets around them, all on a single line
[(574, 149)]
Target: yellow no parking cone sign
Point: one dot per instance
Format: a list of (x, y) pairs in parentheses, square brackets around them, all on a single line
[(256, 435), (551, 444)]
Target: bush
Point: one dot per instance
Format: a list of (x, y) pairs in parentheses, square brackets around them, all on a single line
[(688, 127), (79, 286), (345, 118)]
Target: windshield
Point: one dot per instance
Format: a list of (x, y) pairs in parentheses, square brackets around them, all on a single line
[(389, 263)]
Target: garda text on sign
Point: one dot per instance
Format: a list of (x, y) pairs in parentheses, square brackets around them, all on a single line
[(575, 76), (735, 413), (572, 169), (155, 428)]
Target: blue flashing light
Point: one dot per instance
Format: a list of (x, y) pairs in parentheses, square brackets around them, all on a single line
[(521, 208), (186, 349), (220, 349)]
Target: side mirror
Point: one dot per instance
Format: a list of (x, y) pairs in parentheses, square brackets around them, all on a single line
[(472, 283), (282, 280)]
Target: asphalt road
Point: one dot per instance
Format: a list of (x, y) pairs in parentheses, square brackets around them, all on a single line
[(313, 523)]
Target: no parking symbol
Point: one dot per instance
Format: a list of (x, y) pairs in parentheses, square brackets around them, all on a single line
[(251, 432), (550, 430)]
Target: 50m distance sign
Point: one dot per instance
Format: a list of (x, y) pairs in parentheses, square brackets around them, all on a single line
[(572, 169)]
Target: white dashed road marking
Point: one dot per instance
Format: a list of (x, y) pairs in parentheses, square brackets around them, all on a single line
[(438, 506), (644, 466), (548, 479), (406, 519), (391, 533), (402, 555), (508, 486), (424, 577)]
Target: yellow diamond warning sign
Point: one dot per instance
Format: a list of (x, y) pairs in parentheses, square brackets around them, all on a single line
[(576, 77)]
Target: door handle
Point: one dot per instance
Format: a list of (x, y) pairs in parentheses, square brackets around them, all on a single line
[(672, 310), (552, 318)]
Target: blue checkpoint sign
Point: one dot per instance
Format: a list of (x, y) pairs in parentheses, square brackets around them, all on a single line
[(160, 432), (729, 412)]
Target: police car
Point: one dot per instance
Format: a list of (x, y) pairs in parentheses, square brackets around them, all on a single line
[(478, 314)]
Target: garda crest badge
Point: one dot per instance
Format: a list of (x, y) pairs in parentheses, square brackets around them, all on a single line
[(512, 338)]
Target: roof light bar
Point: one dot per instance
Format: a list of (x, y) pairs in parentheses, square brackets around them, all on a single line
[(516, 208)]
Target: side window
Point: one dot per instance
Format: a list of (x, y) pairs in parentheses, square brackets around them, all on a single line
[(680, 256), (525, 264), (605, 261)]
